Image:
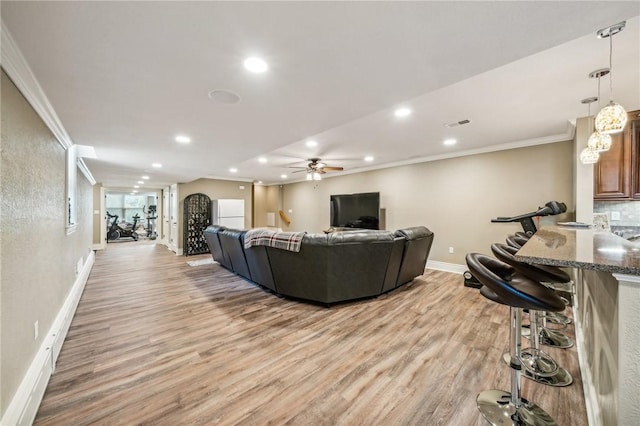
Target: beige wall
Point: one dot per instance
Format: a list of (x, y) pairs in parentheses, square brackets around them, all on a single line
[(455, 198), (216, 190), (38, 258), (266, 200)]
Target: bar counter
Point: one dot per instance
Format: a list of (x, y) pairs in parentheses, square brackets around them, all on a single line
[(606, 313), (582, 248)]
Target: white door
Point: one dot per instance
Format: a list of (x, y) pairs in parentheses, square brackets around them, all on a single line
[(173, 217), (166, 228)]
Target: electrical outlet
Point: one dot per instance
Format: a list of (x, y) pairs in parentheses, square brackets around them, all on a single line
[(451, 250), (615, 215), (35, 330)]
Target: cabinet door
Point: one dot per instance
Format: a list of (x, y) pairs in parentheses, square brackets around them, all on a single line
[(634, 129), (611, 172)]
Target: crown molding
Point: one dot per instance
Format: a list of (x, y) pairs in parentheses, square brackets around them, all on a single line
[(85, 171), (18, 70), (569, 134)]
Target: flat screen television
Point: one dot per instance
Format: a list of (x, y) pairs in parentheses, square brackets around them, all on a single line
[(356, 210)]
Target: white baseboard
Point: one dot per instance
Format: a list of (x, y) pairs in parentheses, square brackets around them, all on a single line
[(100, 246), (447, 267), (25, 403)]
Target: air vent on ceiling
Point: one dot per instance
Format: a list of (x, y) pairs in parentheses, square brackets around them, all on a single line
[(457, 123)]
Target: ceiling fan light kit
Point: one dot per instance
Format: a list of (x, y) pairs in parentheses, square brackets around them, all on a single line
[(315, 169)]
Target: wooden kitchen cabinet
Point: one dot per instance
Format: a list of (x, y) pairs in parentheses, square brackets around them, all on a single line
[(616, 174), (634, 129)]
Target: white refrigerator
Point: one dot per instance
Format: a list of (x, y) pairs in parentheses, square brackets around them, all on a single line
[(229, 213)]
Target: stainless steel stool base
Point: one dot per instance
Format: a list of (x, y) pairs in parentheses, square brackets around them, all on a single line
[(554, 339), (557, 318), (496, 407), (560, 379), (551, 338), (541, 365)]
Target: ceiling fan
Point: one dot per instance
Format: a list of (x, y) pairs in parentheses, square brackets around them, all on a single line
[(315, 169)]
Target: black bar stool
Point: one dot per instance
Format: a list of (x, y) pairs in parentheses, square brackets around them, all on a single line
[(556, 279), (516, 241), (518, 292), (541, 364)]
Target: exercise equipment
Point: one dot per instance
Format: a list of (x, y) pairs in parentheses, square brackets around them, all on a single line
[(526, 220), (551, 208), (116, 231), (151, 221)]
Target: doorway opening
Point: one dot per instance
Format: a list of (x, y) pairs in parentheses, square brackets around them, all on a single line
[(131, 217)]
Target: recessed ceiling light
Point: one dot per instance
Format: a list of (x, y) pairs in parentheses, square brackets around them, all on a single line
[(136, 186), (156, 165), (311, 144), (402, 112), (145, 177), (256, 65), (368, 158), (260, 182), (283, 176), (141, 182), (262, 160), (233, 170), (450, 142), (134, 192), (183, 139)]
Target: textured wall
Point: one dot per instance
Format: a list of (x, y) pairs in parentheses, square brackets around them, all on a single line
[(455, 198), (38, 258)]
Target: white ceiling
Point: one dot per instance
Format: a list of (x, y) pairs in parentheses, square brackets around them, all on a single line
[(127, 77)]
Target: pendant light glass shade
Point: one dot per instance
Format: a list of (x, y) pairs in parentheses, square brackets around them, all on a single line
[(599, 142), (589, 156), (611, 119)]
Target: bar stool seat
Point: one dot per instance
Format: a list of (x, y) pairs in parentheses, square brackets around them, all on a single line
[(543, 274), (519, 292), (543, 363)]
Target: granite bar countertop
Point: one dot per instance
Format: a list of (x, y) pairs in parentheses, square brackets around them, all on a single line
[(582, 248)]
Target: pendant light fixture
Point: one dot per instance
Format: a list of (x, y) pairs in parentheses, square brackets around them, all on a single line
[(589, 155), (612, 118), (598, 141)]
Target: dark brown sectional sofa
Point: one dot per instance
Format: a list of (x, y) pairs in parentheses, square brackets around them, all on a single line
[(329, 268)]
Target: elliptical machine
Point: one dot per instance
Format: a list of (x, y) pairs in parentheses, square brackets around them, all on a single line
[(151, 218), (116, 231), (552, 208)]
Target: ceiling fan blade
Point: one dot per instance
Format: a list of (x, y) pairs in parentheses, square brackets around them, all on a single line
[(298, 171), (333, 169)]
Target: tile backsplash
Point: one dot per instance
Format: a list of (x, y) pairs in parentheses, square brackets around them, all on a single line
[(629, 212)]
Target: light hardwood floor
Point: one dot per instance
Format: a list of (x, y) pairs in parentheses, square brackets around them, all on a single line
[(155, 341)]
